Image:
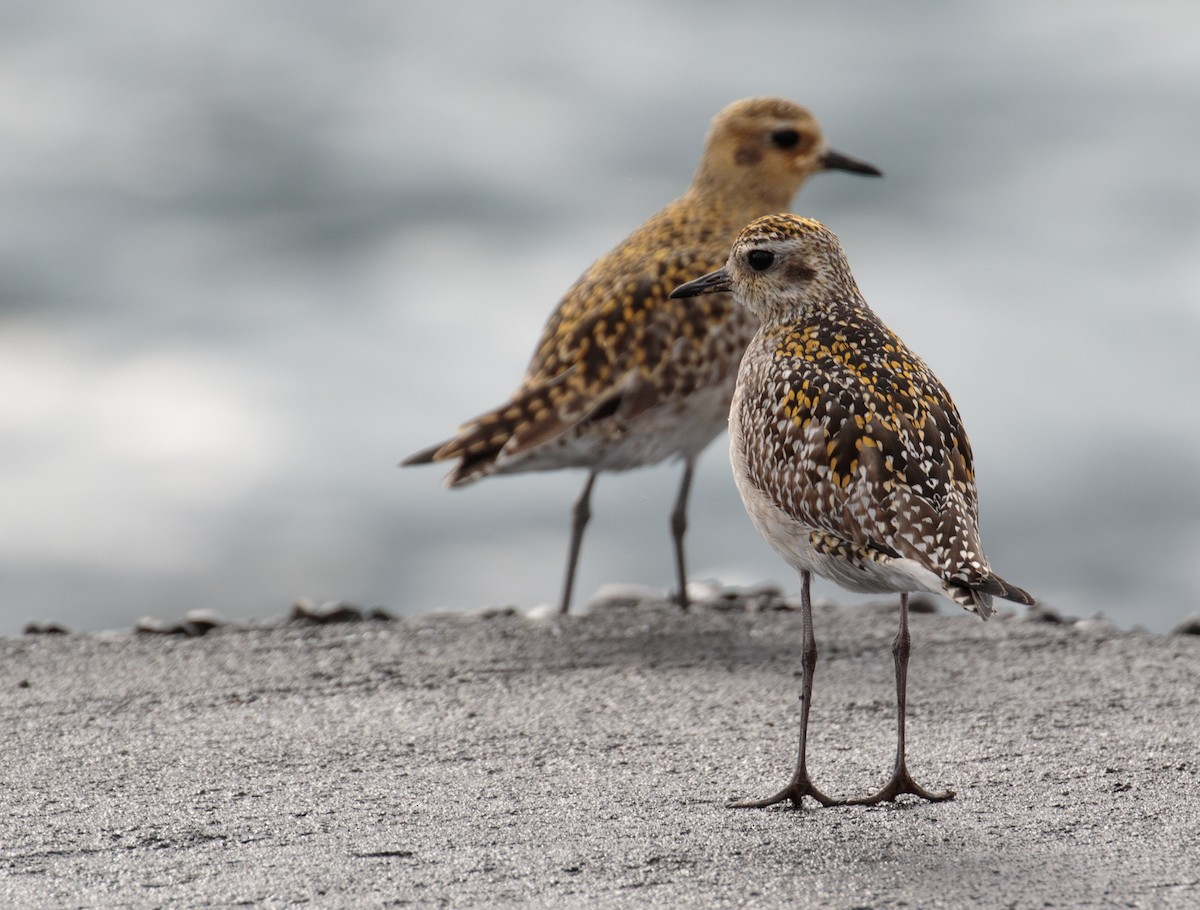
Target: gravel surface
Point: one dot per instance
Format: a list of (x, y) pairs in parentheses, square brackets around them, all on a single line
[(497, 760)]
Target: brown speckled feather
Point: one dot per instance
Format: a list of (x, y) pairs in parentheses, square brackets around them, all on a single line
[(849, 453), (870, 448), (622, 375)]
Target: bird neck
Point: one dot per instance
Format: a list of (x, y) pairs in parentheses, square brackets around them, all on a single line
[(742, 194), (821, 305)]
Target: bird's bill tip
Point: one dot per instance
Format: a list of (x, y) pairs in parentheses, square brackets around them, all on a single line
[(713, 283), (836, 161)]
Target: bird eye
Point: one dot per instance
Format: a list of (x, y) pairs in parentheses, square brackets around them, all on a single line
[(760, 260), (785, 138)]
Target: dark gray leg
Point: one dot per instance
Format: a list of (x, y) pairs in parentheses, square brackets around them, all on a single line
[(901, 781), (678, 527), (580, 515), (800, 785)]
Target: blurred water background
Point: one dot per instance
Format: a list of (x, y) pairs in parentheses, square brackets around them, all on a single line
[(256, 252)]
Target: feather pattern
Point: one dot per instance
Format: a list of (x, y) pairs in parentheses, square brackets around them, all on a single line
[(849, 452)]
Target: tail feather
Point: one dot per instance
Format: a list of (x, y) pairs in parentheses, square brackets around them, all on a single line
[(977, 594), (476, 455), (425, 456), (471, 465), (997, 586), (531, 418)]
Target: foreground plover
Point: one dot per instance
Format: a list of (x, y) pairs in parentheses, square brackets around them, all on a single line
[(623, 376), (848, 452)]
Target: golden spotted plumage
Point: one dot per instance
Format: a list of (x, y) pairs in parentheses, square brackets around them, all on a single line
[(623, 375), (840, 432), (849, 454)]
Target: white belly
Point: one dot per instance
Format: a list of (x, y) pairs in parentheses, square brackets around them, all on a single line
[(678, 429)]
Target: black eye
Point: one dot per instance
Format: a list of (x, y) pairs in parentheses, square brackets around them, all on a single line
[(760, 260), (785, 139)]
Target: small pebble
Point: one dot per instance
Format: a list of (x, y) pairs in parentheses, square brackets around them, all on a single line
[(189, 628), (750, 599), (542, 611), (148, 625), (1190, 626), (331, 611), (201, 622), (493, 612), (1097, 622), (50, 627), (195, 624), (707, 592), (624, 596), (1038, 613)]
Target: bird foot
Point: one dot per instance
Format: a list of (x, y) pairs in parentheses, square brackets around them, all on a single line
[(796, 790), (900, 783)]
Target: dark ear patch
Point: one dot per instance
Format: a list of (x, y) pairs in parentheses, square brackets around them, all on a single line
[(798, 272), (748, 155)]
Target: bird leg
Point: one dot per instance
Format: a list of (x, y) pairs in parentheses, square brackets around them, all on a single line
[(580, 514), (901, 781), (678, 527), (800, 785)]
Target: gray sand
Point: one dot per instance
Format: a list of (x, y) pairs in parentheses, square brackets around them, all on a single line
[(585, 762)]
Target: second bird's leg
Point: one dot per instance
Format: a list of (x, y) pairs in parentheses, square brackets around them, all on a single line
[(800, 785), (901, 781), (678, 527), (580, 514)]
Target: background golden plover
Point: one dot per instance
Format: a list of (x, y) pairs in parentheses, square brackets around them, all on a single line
[(623, 376), (848, 452)]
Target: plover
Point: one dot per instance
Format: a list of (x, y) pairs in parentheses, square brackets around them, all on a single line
[(849, 454), (623, 376)]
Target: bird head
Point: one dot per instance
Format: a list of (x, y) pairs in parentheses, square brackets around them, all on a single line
[(766, 148), (780, 266)]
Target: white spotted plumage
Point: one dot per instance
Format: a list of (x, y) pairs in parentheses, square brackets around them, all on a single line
[(849, 454)]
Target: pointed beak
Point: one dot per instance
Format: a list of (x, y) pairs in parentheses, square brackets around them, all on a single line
[(836, 161), (712, 283)]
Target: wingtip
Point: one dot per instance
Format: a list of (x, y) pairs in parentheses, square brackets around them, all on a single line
[(425, 456), (977, 595), (997, 586), (418, 458), (1021, 596)]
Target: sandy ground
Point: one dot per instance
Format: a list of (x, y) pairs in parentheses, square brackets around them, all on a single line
[(495, 761)]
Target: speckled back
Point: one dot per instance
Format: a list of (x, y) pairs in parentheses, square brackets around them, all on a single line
[(848, 451)]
